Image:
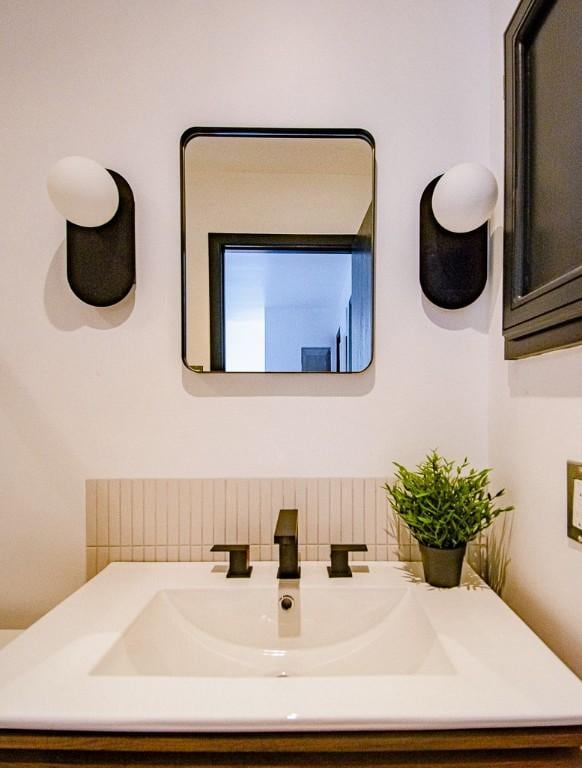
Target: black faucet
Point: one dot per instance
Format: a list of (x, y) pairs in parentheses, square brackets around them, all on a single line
[(286, 537)]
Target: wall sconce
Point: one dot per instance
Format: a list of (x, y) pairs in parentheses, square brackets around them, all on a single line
[(454, 209), (99, 208)]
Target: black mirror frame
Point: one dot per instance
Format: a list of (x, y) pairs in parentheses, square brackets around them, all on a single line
[(307, 133)]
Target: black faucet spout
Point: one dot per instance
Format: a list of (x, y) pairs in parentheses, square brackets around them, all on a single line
[(286, 536)]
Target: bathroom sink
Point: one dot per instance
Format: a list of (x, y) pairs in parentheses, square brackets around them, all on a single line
[(244, 631), (178, 647)]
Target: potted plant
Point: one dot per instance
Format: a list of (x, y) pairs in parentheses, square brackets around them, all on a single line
[(445, 506)]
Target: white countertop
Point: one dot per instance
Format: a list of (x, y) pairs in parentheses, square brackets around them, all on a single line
[(8, 635), (501, 675)]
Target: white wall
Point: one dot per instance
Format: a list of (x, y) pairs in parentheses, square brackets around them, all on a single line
[(535, 427), (103, 393)]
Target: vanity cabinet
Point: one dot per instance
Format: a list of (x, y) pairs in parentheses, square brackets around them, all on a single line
[(547, 746)]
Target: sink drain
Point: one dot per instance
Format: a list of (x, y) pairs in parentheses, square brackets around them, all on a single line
[(286, 603)]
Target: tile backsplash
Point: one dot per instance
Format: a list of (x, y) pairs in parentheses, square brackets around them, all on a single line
[(180, 520)]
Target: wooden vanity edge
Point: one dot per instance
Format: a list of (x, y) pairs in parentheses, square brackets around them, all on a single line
[(285, 742)]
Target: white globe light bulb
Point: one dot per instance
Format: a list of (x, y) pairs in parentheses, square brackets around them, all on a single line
[(83, 191), (464, 197)]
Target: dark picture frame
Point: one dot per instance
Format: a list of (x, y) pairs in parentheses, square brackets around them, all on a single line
[(543, 184)]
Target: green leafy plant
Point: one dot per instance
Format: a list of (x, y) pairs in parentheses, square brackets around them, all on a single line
[(444, 504)]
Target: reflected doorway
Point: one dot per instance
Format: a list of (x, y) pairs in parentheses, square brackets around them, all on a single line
[(278, 302)]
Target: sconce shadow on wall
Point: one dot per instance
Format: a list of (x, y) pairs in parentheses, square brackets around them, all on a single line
[(98, 205), (454, 211)]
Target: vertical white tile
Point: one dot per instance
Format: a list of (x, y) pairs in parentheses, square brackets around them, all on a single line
[(266, 515), (386, 515), (483, 554), (184, 511), (289, 493), (149, 554), (371, 553), (207, 513), (392, 527), (311, 550), (173, 552), (381, 517), (393, 552), (323, 511), (114, 554), (196, 506), (278, 501), (219, 530), (255, 552), (312, 509), (473, 557), (300, 504), (404, 538), (370, 516), (126, 554), (242, 512), (254, 514), (173, 513), (265, 552), (102, 558), (196, 553), (90, 562), (358, 513), (382, 552), (347, 532), (125, 505), (323, 552), (102, 499), (303, 552), (91, 514), (161, 554), (149, 512), (161, 512), (137, 523), (184, 553), (335, 511), (114, 513), (414, 551), (230, 511), (137, 554)]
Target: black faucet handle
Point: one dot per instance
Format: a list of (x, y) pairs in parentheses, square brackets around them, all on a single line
[(238, 566), (339, 559)]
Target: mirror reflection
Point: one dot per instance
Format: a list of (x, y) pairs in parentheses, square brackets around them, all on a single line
[(277, 250)]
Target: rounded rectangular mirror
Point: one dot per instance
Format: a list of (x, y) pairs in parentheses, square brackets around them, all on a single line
[(277, 250)]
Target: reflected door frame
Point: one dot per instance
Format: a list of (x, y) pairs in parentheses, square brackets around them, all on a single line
[(218, 242)]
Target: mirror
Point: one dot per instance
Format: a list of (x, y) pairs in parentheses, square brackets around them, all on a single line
[(277, 250)]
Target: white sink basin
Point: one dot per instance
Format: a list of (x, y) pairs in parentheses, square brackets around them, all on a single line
[(243, 631), (178, 647)]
